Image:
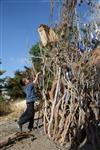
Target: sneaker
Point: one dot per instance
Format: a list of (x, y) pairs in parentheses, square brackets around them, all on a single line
[(30, 128), (20, 127)]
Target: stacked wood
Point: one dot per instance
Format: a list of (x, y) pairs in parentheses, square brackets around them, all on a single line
[(72, 113), (72, 109), (47, 35)]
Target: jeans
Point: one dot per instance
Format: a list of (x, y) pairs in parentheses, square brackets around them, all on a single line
[(28, 116)]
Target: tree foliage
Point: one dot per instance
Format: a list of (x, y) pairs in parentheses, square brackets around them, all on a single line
[(35, 56), (13, 86)]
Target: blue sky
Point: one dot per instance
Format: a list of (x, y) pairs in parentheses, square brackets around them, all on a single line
[(18, 28), (19, 21)]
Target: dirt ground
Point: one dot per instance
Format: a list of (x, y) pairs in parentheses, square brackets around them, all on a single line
[(39, 142), (8, 126)]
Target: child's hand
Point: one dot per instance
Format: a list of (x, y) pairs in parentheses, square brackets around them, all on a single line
[(36, 78), (38, 73)]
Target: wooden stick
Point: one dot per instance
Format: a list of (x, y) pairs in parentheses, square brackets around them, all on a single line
[(14, 137)]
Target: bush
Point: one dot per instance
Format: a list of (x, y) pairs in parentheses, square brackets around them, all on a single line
[(5, 107)]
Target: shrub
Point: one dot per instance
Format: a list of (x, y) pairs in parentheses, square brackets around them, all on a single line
[(5, 107)]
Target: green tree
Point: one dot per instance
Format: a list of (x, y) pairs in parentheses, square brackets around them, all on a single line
[(14, 87), (1, 79), (35, 56)]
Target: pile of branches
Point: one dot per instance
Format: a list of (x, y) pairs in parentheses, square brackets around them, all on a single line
[(71, 90), (72, 112)]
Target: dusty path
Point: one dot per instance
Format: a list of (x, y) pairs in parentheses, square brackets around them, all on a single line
[(9, 126), (40, 142)]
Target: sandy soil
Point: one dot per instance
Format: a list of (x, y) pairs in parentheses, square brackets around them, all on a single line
[(39, 142), (8, 125)]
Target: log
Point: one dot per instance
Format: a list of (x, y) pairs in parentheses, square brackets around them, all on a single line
[(51, 92), (54, 103), (14, 137)]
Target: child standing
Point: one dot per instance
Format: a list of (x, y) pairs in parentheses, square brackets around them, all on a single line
[(31, 97)]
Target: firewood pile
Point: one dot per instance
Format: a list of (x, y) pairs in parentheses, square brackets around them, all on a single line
[(72, 112), (71, 91)]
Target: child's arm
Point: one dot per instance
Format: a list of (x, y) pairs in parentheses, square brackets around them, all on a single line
[(36, 78)]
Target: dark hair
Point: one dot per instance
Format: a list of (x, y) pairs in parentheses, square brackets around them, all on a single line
[(22, 82)]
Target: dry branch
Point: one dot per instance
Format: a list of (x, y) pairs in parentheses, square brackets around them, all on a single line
[(73, 107), (14, 137)]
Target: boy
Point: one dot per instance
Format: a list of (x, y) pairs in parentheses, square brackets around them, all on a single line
[(31, 97)]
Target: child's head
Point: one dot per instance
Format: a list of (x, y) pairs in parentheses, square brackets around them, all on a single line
[(24, 81)]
